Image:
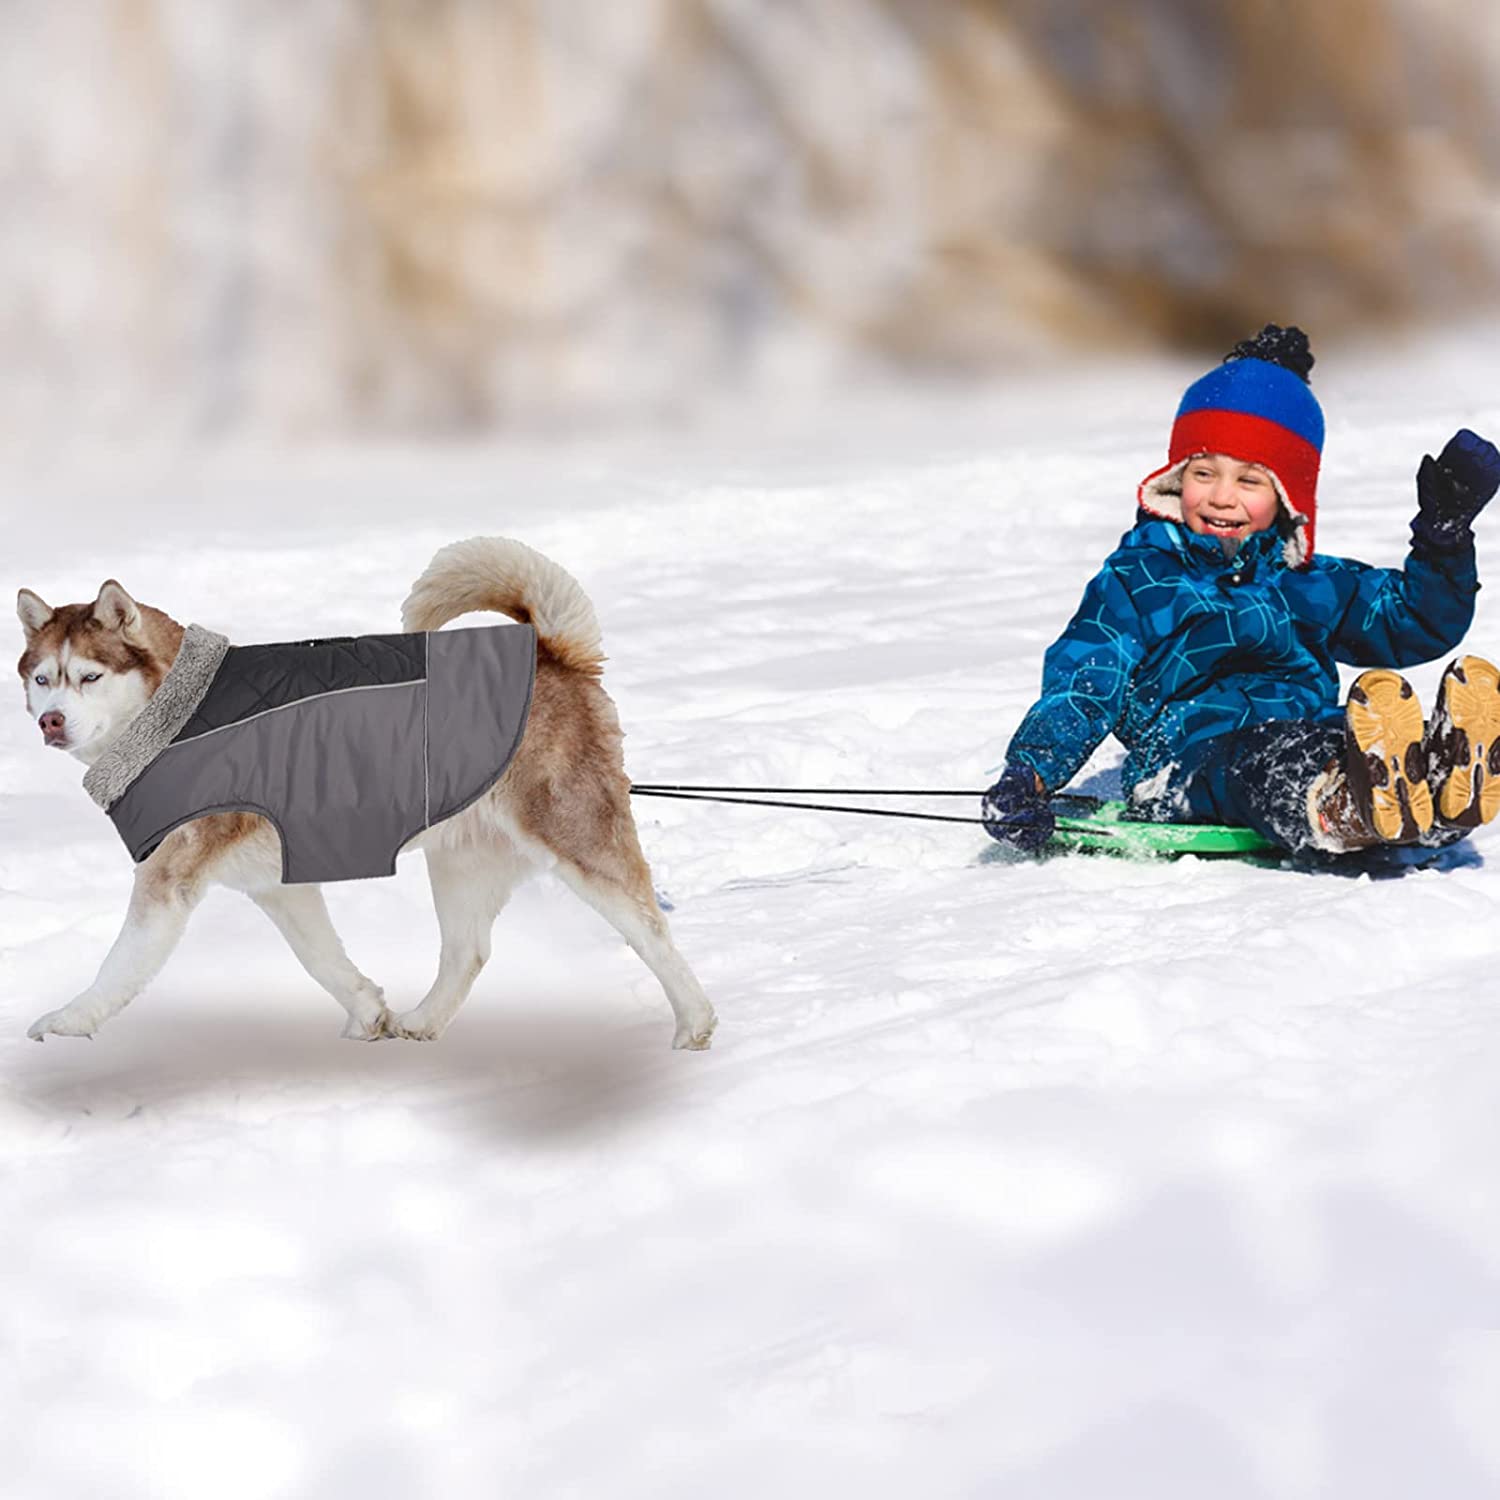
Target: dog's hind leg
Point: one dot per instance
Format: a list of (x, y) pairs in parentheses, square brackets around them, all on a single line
[(160, 905), (469, 887), (619, 889), (301, 916)]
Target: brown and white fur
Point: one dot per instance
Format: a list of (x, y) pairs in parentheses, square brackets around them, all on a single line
[(563, 803)]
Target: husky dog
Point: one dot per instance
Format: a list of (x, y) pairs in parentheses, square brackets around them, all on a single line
[(562, 803)]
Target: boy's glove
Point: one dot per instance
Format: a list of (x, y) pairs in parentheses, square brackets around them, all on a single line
[(1454, 487), (1016, 812)]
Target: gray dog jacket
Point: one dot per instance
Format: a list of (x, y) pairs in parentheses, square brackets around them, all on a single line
[(350, 747)]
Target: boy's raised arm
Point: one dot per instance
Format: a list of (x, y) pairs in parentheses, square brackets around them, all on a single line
[(1403, 616)]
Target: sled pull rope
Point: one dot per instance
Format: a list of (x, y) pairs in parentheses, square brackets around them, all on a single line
[(713, 794)]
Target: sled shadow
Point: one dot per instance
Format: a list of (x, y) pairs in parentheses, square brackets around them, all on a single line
[(1377, 864), (516, 1075)]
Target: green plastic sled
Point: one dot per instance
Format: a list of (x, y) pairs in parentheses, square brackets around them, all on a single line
[(1089, 825)]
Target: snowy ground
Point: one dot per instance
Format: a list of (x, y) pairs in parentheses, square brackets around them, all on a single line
[(1066, 1179)]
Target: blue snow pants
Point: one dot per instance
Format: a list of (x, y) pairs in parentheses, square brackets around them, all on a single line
[(1259, 777)]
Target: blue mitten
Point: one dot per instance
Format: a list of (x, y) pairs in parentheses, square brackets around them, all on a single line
[(1454, 487), (1016, 812)]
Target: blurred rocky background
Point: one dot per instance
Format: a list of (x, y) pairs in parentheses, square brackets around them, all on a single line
[(439, 217)]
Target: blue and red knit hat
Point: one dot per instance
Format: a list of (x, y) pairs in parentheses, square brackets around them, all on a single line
[(1256, 407)]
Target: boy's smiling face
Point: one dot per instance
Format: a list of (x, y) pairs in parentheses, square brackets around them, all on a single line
[(1224, 497)]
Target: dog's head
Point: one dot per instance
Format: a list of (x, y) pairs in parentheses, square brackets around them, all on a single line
[(89, 669)]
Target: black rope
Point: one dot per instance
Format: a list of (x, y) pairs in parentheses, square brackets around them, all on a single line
[(683, 793), (868, 812), (808, 791)]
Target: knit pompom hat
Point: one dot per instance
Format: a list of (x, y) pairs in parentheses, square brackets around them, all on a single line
[(1257, 407)]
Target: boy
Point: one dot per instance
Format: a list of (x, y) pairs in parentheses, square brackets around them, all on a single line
[(1208, 642)]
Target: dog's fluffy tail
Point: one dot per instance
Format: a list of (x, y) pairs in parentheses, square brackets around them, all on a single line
[(495, 573)]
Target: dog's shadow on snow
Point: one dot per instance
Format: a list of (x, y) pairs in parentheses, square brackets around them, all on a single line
[(513, 1073)]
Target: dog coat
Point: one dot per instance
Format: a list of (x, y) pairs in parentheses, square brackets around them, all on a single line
[(349, 747)]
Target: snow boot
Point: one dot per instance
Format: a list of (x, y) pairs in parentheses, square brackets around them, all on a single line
[(1387, 757), (1333, 812), (1463, 744)]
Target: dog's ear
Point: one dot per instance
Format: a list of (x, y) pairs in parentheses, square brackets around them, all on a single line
[(32, 611), (115, 609)]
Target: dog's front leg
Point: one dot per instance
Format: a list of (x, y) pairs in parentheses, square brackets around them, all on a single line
[(301, 915), (159, 909)]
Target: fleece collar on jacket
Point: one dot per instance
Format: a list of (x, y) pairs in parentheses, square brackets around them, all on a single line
[(158, 723)]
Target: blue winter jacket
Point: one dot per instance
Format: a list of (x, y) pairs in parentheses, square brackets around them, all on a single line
[(1175, 644)]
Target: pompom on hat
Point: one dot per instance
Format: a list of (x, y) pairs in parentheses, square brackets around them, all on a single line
[(1257, 407)]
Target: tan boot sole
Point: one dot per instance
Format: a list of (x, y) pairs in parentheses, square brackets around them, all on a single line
[(1385, 719), (1473, 705)]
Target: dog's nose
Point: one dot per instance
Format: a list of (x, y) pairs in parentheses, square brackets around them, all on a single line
[(54, 725)]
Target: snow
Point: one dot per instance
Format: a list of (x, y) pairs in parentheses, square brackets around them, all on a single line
[(1054, 1179)]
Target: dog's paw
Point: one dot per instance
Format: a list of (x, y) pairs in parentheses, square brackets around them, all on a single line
[(695, 1038), (369, 1020), (64, 1022), (368, 1028), (414, 1026)]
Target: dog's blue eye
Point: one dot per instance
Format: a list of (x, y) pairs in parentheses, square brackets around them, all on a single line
[(91, 676), (40, 680)]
